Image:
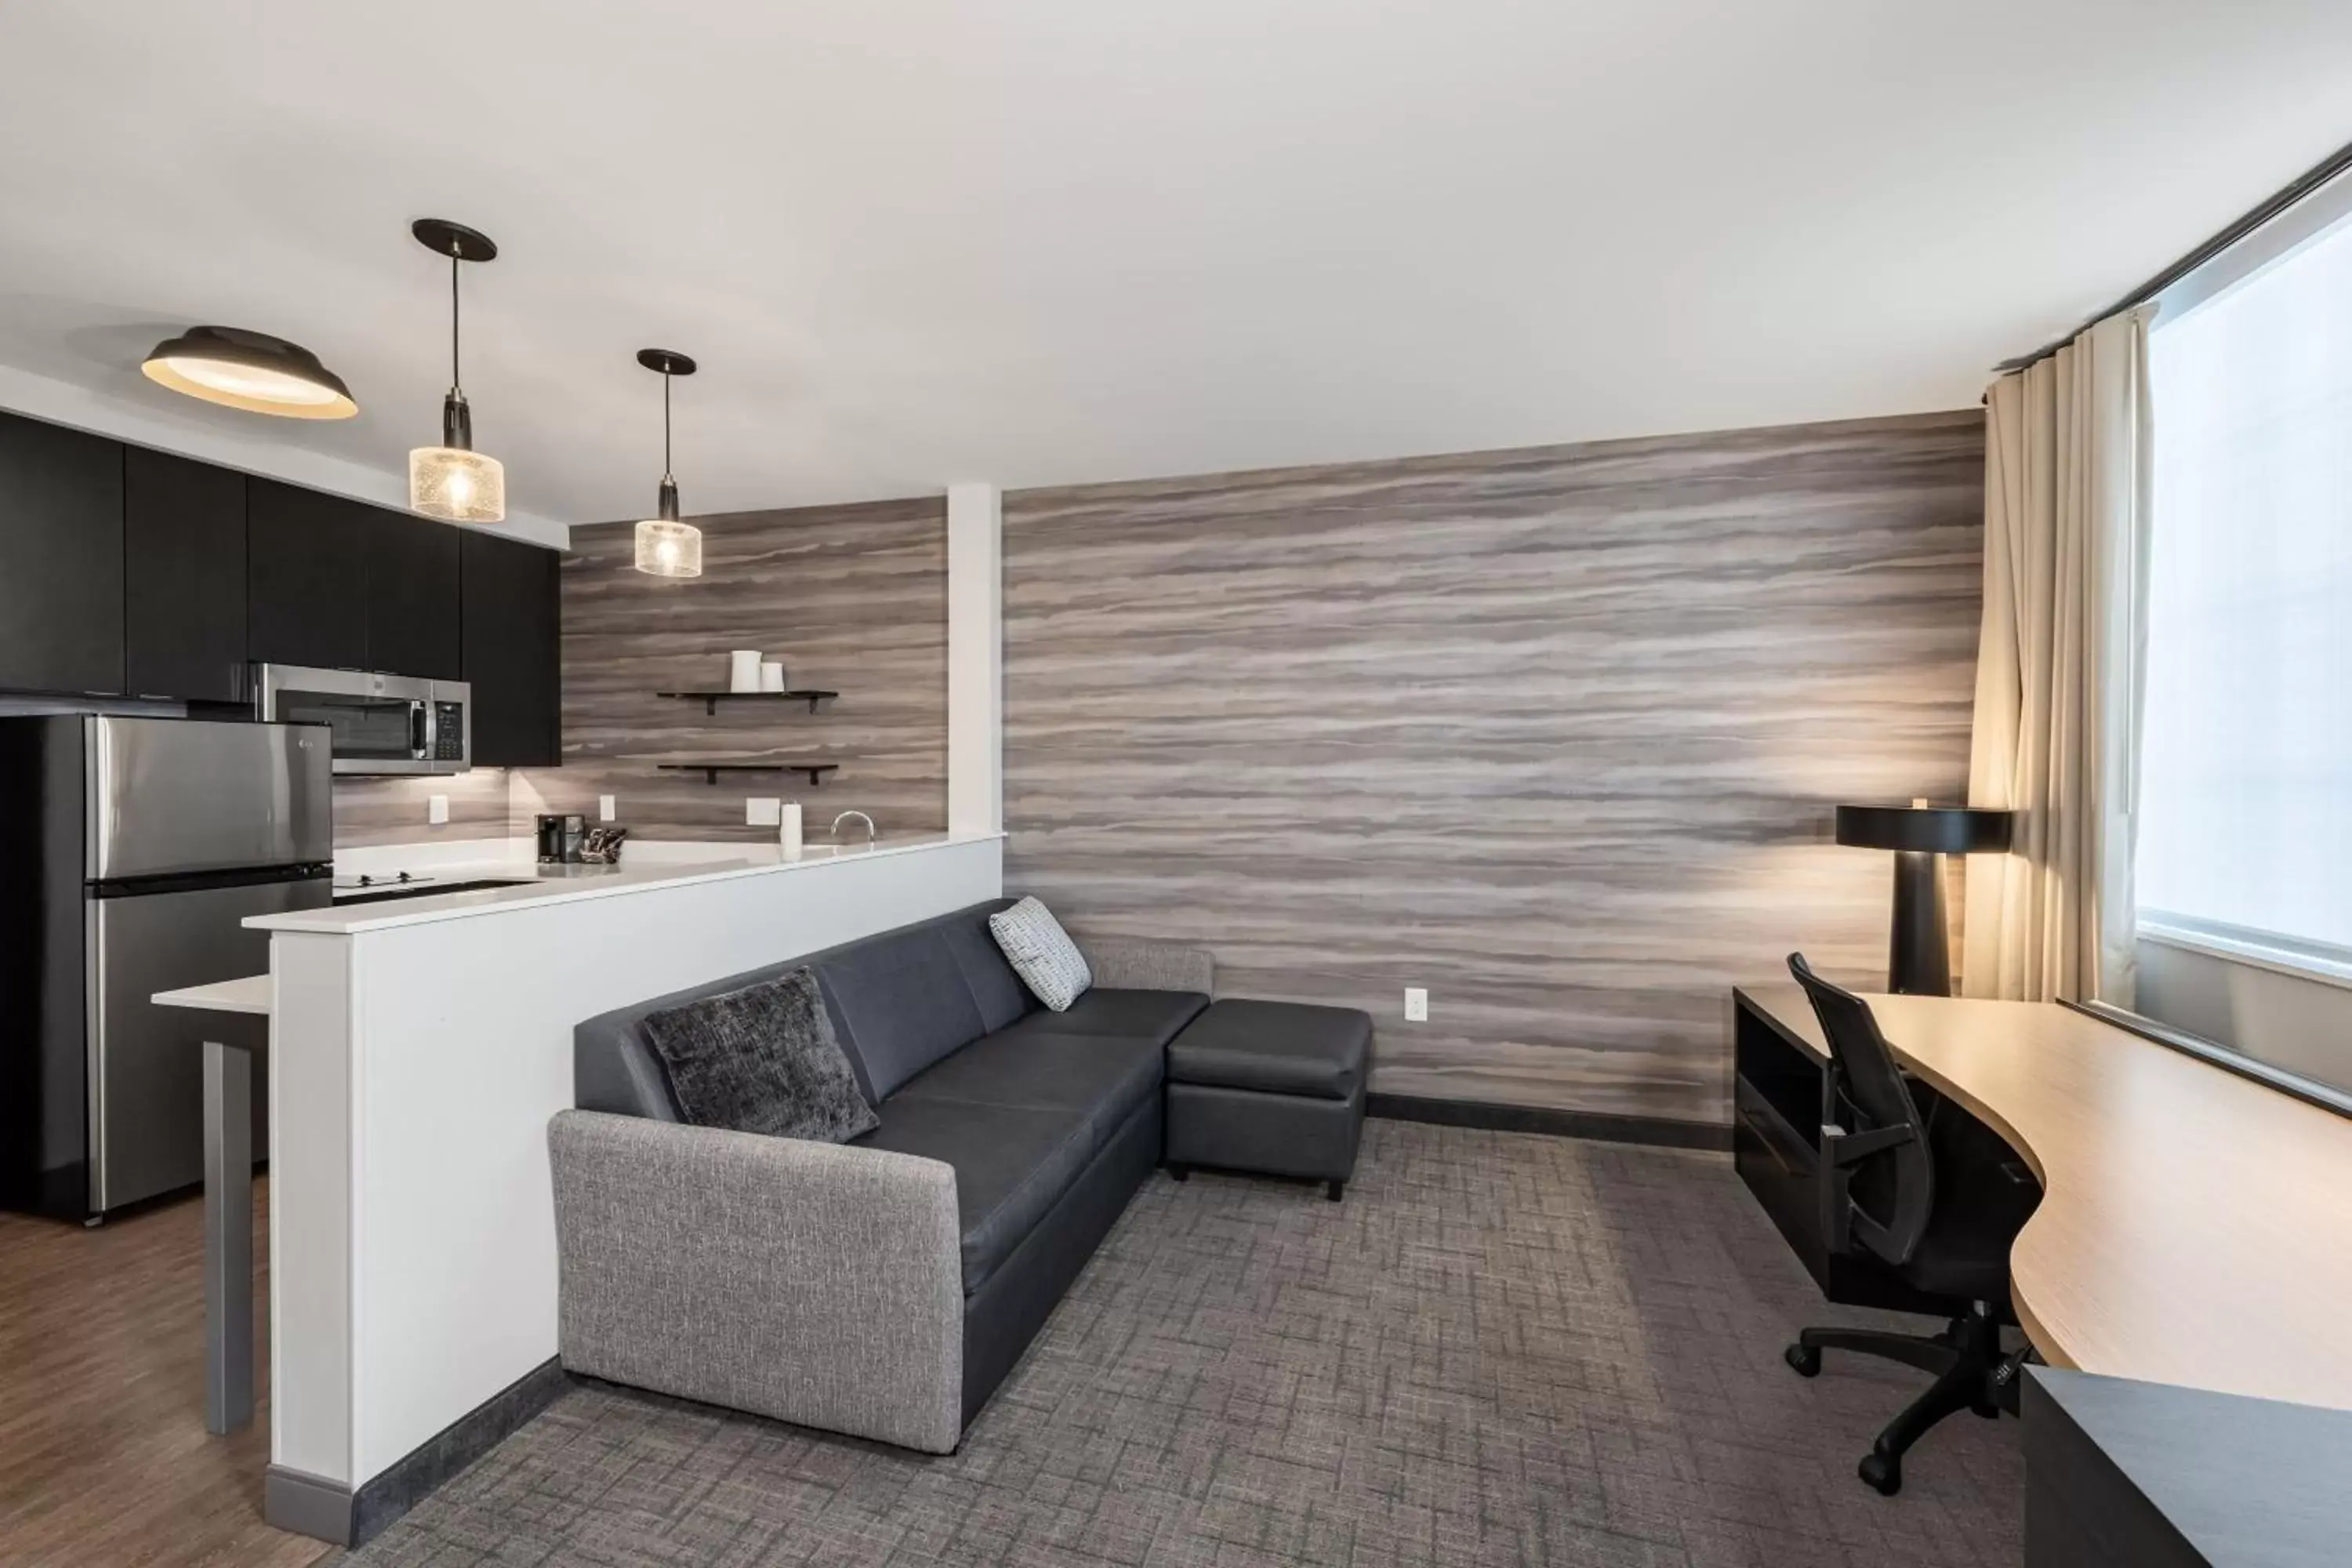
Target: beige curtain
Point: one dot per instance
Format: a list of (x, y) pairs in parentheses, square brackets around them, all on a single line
[(2060, 661)]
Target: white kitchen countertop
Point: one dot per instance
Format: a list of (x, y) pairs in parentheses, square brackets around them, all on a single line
[(250, 995), (644, 865)]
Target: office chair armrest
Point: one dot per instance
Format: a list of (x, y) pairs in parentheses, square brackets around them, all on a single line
[(1840, 1151), (1841, 1147)]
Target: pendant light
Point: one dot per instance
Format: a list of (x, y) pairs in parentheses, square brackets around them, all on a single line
[(251, 370), (452, 481), (667, 547)]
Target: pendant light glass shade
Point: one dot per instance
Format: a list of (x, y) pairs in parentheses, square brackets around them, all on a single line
[(456, 485), (667, 547), (251, 370), (452, 481)]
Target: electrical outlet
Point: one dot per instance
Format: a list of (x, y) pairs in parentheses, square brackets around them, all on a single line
[(1416, 1004), (437, 810), (762, 811), (605, 809)]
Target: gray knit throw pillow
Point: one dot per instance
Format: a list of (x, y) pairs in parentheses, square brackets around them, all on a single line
[(761, 1060), (1042, 953)]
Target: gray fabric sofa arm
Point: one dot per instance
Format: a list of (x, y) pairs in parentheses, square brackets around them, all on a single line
[(810, 1283), (1150, 967)]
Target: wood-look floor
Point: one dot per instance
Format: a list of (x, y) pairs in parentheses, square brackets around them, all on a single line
[(104, 1457)]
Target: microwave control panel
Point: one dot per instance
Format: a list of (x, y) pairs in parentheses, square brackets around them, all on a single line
[(449, 731)]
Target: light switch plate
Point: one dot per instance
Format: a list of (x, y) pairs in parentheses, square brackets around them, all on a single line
[(437, 810), (762, 811), (605, 809), (1416, 1004)]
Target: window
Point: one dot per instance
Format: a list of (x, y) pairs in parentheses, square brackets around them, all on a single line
[(2245, 828)]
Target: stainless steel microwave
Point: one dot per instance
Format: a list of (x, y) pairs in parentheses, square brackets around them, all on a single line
[(378, 723)]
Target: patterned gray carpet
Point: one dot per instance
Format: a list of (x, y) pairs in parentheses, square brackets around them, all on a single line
[(1501, 1349)]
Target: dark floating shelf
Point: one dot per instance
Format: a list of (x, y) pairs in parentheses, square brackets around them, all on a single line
[(711, 699), (711, 770)]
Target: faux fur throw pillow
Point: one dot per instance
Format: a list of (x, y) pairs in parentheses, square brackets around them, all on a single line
[(761, 1060)]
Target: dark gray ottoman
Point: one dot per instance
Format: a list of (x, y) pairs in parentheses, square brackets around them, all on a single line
[(1274, 1088)]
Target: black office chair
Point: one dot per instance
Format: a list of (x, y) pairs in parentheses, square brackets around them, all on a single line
[(1937, 1197)]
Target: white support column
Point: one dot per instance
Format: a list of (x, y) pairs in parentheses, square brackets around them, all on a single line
[(975, 659)]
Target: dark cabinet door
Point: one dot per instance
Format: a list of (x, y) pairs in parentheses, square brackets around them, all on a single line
[(183, 589), (60, 559), (306, 577), (513, 652), (413, 591)]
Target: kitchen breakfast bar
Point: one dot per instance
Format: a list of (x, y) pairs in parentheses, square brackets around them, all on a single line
[(417, 1049)]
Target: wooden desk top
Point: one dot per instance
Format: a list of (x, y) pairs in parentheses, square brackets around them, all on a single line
[(2195, 1227)]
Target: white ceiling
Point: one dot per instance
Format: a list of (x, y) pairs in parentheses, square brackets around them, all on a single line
[(1035, 241)]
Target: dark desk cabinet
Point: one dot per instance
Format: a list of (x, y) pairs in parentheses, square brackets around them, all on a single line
[(512, 616), (413, 596), (183, 594), (306, 577), (60, 559)]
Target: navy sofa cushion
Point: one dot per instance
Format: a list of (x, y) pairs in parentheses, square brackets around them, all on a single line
[(905, 1004), (1012, 1163), (996, 990), (1156, 1016), (1100, 1077), (1275, 1047)]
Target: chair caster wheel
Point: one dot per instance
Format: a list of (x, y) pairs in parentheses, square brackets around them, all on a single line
[(1881, 1473), (1804, 1359)]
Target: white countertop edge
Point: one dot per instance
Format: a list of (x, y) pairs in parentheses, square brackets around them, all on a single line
[(250, 994), (572, 883), (505, 851)]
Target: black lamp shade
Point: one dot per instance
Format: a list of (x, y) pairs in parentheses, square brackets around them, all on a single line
[(1930, 830)]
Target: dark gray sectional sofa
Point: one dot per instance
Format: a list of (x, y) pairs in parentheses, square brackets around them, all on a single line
[(882, 1288)]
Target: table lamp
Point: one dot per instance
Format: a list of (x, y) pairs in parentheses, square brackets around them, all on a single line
[(1918, 956)]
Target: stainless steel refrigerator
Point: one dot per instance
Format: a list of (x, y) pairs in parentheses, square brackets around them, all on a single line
[(132, 849)]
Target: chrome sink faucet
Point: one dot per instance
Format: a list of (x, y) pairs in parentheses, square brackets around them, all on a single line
[(861, 817)]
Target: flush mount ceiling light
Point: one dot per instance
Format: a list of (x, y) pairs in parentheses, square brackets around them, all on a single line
[(452, 481), (251, 370), (667, 547)]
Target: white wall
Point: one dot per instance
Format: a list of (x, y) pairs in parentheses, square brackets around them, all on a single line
[(975, 659), (415, 1070), (2289, 1021)]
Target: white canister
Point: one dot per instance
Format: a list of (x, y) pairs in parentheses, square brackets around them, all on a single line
[(743, 669), (771, 675), (788, 830)]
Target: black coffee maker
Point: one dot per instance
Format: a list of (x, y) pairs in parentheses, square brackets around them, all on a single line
[(561, 835)]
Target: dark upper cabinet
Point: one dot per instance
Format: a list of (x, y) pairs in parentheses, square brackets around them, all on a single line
[(306, 577), (60, 559), (412, 596), (513, 629), (183, 589)]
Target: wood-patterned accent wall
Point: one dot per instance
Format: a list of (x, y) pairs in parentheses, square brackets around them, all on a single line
[(852, 598), (393, 810), (1555, 733)]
